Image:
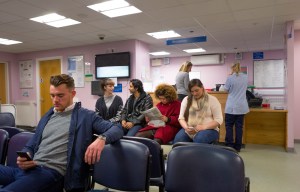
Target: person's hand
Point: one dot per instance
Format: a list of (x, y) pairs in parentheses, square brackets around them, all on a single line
[(164, 118), (124, 123), (24, 164), (129, 125), (147, 119), (190, 130), (200, 127), (93, 152)]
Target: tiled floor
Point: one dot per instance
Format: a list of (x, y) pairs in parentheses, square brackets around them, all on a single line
[(270, 168)]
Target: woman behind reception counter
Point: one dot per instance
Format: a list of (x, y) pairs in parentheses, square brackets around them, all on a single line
[(183, 79), (236, 106)]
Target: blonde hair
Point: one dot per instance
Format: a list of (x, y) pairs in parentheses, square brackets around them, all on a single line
[(235, 68), (185, 66)]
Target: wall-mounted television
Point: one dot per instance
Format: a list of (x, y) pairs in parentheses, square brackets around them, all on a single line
[(112, 65)]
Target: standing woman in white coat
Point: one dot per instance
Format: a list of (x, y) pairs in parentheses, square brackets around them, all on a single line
[(236, 106)]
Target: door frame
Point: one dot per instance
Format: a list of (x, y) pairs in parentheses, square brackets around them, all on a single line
[(37, 71), (6, 81)]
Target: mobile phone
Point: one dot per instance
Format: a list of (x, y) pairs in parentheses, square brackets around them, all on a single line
[(191, 128), (24, 154)]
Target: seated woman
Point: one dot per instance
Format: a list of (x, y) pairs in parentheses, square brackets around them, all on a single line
[(200, 116), (169, 107), (109, 106)]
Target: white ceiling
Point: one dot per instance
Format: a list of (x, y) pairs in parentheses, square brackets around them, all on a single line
[(230, 25)]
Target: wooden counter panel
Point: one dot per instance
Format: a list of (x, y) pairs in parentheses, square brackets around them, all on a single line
[(266, 128)]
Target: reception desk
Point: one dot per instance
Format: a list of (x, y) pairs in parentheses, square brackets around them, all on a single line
[(266, 126), (261, 125)]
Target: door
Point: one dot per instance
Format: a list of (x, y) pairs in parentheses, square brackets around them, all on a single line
[(47, 69), (2, 84)]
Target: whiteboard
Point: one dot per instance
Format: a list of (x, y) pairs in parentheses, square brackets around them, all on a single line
[(269, 74)]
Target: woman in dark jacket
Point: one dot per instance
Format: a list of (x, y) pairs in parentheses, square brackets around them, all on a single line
[(109, 106)]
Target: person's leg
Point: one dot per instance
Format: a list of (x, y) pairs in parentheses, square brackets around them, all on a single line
[(239, 123), (37, 179), (181, 136), (133, 130), (206, 136), (8, 174), (229, 122), (146, 134)]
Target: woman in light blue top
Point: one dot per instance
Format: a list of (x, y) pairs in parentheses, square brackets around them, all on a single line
[(236, 106), (183, 79)]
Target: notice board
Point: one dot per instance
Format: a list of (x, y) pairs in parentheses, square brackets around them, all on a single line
[(269, 73)]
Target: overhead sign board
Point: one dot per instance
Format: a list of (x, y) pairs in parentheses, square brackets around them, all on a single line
[(186, 40)]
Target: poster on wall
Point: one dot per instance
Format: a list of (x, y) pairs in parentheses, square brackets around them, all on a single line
[(76, 69), (26, 74)]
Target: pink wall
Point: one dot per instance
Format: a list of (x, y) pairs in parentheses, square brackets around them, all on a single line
[(296, 88)]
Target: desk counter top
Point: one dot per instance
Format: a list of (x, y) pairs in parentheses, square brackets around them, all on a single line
[(267, 110)]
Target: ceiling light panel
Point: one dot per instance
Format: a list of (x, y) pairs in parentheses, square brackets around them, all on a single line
[(108, 5), (115, 8), (164, 34), (121, 11), (159, 53), (199, 50), (55, 20), (48, 18), (63, 23), (8, 41)]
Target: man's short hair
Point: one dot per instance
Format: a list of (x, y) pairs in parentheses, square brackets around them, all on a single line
[(58, 80), (137, 84)]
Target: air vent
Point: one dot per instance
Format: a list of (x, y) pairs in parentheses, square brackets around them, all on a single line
[(215, 59)]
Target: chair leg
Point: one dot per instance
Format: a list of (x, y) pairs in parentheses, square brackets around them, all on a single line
[(161, 189)]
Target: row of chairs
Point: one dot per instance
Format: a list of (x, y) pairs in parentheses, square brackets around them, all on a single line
[(134, 164), (190, 167)]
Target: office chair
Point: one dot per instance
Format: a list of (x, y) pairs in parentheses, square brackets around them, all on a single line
[(7, 119), (124, 166), (3, 145), (16, 143), (11, 130), (157, 176), (204, 168)]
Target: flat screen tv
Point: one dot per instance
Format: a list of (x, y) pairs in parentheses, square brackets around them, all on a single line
[(112, 65)]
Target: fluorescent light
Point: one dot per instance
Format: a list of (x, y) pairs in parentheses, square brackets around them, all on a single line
[(63, 23), (199, 50), (121, 11), (159, 53), (8, 41), (55, 20), (115, 8), (48, 18), (164, 34), (108, 5)]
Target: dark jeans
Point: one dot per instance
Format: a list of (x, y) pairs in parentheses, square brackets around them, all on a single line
[(238, 122), (133, 130), (206, 136), (37, 179)]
